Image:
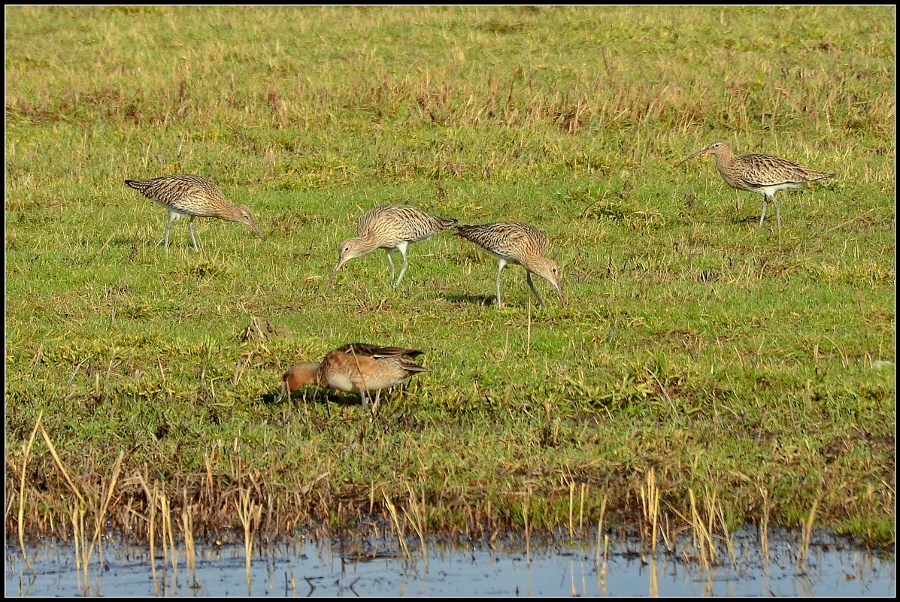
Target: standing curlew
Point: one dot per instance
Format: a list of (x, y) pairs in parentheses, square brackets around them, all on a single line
[(515, 242), (762, 174), (389, 227), (193, 196), (355, 367)]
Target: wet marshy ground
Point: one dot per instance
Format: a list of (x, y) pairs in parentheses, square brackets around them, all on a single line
[(830, 567)]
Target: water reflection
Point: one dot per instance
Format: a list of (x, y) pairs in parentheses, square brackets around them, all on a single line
[(303, 568)]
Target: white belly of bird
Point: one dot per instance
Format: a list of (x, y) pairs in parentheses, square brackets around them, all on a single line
[(174, 212), (342, 382), (771, 190)]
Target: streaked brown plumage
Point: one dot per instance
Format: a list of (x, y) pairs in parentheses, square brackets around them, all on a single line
[(355, 367), (515, 242), (389, 227), (193, 196), (762, 174)]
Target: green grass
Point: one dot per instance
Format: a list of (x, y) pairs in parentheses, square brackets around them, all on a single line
[(725, 357)]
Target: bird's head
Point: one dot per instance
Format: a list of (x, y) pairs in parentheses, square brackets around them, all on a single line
[(347, 250), (547, 269), (298, 376), (242, 214), (715, 148)]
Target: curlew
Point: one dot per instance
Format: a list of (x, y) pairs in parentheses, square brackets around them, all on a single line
[(762, 174), (519, 243), (389, 227), (192, 196), (355, 367)]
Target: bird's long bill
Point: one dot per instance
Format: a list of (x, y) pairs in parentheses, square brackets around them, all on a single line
[(333, 272), (253, 227), (699, 152), (559, 292)]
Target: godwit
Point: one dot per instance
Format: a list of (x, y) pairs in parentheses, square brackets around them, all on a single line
[(515, 242), (192, 196), (762, 174), (355, 367), (389, 227)]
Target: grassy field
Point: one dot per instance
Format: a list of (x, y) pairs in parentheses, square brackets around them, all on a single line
[(742, 373)]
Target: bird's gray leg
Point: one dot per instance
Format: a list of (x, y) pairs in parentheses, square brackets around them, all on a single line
[(777, 211), (364, 398), (390, 261), (191, 228), (165, 240), (499, 269), (763, 215), (534, 289), (402, 248)]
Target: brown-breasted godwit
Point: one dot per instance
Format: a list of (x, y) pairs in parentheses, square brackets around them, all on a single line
[(355, 367)]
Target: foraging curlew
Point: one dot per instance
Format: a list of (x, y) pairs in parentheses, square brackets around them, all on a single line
[(762, 174), (192, 196), (389, 227), (355, 367), (515, 242)]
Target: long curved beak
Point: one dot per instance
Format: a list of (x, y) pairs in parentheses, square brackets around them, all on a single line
[(699, 152), (559, 292), (333, 272), (253, 227)]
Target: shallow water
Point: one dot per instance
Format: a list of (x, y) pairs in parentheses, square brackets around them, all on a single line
[(834, 567)]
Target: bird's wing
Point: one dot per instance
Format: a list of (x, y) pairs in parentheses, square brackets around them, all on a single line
[(377, 351)]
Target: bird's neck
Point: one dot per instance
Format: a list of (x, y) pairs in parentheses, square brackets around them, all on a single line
[(229, 212), (366, 243), (535, 265), (724, 157)]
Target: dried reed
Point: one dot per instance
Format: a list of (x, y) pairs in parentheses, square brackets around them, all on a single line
[(189, 554), (764, 524), (22, 492), (600, 530), (526, 508), (806, 534), (571, 509), (397, 526), (417, 520), (650, 507), (248, 511)]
